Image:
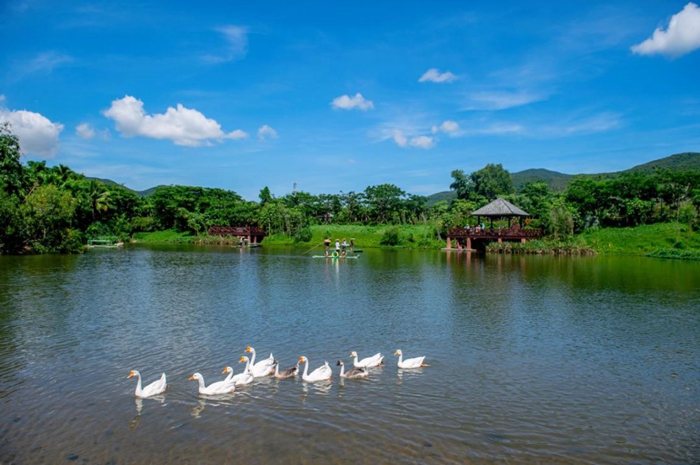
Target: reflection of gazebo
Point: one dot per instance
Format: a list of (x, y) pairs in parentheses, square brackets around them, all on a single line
[(464, 238), (500, 208)]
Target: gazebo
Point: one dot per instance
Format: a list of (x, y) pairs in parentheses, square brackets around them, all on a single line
[(465, 238), (500, 208)]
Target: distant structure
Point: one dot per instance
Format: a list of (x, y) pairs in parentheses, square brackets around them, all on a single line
[(294, 188), (252, 235), (468, 238)]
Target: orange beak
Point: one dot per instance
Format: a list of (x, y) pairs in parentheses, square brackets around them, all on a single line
[(248, 349), (192, 378), (131, 375), (241, 360)]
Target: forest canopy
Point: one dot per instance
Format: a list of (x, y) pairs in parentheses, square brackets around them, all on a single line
[(54, 209)]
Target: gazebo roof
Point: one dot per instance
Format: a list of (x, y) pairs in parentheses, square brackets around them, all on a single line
[(500, 208)]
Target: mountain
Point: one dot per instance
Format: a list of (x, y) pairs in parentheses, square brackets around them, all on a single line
[(558, 181), (679, 162), (146, 193)]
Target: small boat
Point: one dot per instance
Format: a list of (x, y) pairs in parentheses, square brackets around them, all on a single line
[(103, 244), (337, 257)]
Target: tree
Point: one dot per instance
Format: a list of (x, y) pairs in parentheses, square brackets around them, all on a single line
[(265, 195), (492, 181), (47, 213), (11, 170), (462, 184)]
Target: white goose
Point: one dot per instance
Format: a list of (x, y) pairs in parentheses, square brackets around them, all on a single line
[(220, 387), (322, 373), (369, 362), (416, 362), (153, 389), (241, 379), (263, 367), (353, 372)]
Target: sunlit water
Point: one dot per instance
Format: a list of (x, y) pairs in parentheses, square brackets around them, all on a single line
[(532, 359)]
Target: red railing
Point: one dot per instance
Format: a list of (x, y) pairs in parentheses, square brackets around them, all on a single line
[(486, 233), (236, 231)]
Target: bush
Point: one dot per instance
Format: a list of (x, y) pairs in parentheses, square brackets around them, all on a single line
[(390, 237), (303, 235)]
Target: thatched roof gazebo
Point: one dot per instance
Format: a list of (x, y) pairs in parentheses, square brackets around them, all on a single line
[(478, 237), (500, 208)]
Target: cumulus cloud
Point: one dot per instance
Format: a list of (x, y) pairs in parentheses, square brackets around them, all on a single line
[(423, 142), (682, 35), (237, 40), (397, 135), (37, 134), (448, 127), (266, 132), (183, 126), (85, 131), (433, 75), (345, 102)]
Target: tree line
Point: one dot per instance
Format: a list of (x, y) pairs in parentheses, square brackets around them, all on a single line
[(54, 209)]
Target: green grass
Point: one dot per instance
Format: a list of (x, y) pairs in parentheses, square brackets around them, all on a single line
[(667, 240), (166, 236), (643, 240), (409, 236)]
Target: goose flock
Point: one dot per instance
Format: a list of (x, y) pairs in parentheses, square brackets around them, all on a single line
[(270, 367)]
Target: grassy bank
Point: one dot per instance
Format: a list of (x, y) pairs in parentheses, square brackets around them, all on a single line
[(668, 240), (405, 236)]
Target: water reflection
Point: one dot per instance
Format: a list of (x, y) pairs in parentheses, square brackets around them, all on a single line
[(139, 402), (533, 359)]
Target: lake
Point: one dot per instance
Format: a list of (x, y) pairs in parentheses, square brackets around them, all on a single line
[(532, 359)]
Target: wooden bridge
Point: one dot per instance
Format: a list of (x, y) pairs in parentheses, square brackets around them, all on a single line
[(252, 234), (468, 239)]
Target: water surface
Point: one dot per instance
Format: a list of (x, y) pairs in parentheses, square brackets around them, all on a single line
[(532, 359)]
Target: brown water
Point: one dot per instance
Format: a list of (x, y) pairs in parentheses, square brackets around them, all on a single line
[(532, 359)]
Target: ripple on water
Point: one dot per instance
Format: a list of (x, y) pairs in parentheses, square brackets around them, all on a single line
[(527, 364)]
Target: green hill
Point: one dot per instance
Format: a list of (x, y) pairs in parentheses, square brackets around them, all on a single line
[(679, 162), (558, 181)]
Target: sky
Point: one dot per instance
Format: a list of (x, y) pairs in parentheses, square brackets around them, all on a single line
[(332, 97)]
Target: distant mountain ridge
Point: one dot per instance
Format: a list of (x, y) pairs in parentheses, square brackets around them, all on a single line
[(558, 181)]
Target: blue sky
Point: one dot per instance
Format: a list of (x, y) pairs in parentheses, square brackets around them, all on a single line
[(335, 98)]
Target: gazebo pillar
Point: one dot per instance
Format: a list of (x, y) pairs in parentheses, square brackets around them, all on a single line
[(469, 243), (449, 243)]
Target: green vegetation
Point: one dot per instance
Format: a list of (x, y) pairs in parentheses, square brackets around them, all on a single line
[(55, 210)]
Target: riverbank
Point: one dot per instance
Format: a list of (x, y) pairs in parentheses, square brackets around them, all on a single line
[(667, 240)]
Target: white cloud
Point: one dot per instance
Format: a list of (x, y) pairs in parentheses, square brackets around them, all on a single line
[(237, 134), (42, 63), (433, 75), (85, 131), (182, 125), (37, 134), (501, 100), (448, 127), (682, 35), (345, 102), (266, 131), (500, 128), (574, 126), (237, 40), (397, 135), (423, 142)]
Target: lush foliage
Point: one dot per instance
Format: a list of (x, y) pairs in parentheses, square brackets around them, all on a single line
[(53, 209)]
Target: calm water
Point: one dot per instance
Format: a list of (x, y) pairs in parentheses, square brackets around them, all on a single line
[(532, 359)]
